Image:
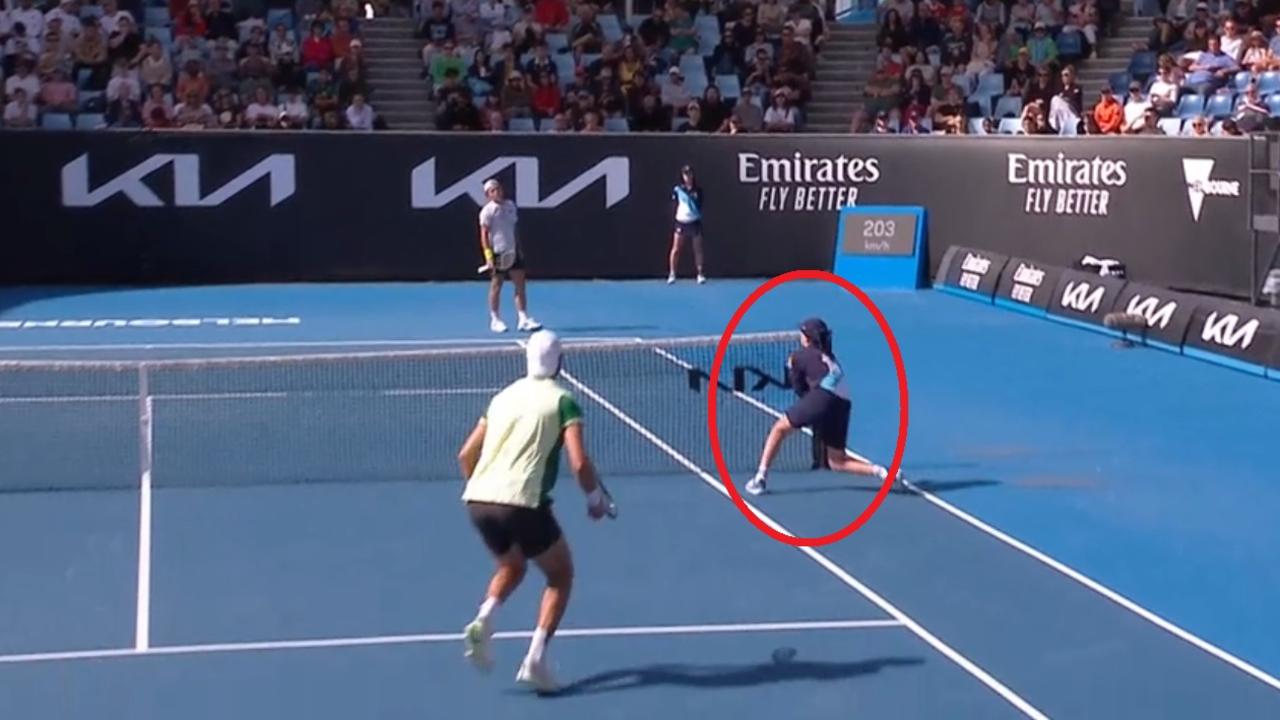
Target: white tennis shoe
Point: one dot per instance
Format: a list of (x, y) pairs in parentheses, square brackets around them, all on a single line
[(756, 485), (475, 640), (496, 325), (536, 674), (528, 324)]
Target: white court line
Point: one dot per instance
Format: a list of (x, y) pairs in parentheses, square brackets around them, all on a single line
[(298, 344), (142, 619), (624, 631), (1061, 567), (968, 665)]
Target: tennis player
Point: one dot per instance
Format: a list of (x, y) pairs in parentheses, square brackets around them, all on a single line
[(511, 460), (687, 196), (819, 381), (503, 255)]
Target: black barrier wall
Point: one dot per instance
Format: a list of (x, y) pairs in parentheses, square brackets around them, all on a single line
[(1234, 334), (111, 207)]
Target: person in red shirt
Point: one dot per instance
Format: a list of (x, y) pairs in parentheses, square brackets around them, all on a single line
[(190, 23), (552, 15), (317, 50), (546, 96)]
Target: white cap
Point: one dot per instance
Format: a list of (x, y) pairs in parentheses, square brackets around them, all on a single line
[(542, 354), (491, 184)]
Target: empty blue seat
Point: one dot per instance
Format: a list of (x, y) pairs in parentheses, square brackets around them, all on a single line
[(1008, 105), (520, 124), (157, 17), (1269, 82), (1142, 65), (91, 121), (617, 124), (1220, 105), (730, 86), (1273, 104), (1190, 105), (55, 121), (1119, 82), (279, 16)]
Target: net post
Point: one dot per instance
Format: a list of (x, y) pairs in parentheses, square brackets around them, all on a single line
[(142, 627)]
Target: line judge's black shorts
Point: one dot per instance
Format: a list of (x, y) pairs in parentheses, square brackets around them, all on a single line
[(532, 530), (826, 413), (689, 229)]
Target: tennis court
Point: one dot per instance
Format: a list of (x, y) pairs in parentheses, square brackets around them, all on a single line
[(261, 519)]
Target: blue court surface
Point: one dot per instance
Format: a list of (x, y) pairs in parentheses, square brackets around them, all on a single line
[(1092, 532)]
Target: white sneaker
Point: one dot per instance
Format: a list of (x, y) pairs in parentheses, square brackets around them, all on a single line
[(475, 640), (671, 279), (528, 324), (756, 485), (702, 279), (537, 675), (496, 325)]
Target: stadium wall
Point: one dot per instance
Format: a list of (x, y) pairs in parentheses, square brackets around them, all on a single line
[(144, 208)]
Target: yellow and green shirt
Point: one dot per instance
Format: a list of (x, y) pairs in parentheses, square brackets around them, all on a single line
[(524, 433)]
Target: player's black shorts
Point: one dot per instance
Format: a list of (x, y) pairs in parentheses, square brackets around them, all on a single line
[(826, 413), (689, 229), (532, 530)]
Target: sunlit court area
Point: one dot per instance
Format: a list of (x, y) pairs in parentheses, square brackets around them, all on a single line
[(576, 360)]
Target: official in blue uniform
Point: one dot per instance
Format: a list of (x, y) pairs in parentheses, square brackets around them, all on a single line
[(823, 404)]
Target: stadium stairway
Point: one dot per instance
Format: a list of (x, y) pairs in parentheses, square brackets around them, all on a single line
[(398, 92), (845, 65), (1114, 53)]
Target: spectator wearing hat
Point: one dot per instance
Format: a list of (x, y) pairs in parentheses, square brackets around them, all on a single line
[(1041, 46), (781, 117), (674, 93), (1108, 114)]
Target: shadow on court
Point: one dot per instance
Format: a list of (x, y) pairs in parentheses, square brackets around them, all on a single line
[(936, 487), (729, 676)]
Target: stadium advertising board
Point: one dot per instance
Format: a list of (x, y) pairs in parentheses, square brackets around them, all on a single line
[(1027, 285), (969, 271), (1082, 297), (1235, 334), (225, 207), (1166, 314)]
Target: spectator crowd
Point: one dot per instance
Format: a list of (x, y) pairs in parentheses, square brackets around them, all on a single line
[(956, 67), (194, 64), (718, 66)]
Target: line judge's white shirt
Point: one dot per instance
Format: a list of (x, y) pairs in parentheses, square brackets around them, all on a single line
[(501, 221)]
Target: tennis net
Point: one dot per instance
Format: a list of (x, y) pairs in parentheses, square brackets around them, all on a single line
[(372, 416)]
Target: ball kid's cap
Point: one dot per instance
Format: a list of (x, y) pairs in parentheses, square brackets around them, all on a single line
[(814, 328)]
